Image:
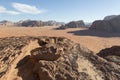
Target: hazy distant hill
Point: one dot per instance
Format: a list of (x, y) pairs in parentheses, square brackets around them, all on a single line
[(5, 23), (38, 23), (88, 24), (31, 23)]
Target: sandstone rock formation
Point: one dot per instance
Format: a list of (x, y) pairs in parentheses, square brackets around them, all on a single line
[(73, 24), (52, 58), (110, 25), (101, 25)]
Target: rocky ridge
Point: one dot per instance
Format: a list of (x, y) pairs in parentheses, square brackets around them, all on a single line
[(52, 58)]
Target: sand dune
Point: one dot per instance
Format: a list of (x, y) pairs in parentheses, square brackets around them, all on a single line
[(94, 43)]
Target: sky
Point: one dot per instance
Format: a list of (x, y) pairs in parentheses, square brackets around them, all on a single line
[(59, 10)]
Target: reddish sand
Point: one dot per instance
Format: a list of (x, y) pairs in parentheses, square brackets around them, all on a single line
[(94, 43)]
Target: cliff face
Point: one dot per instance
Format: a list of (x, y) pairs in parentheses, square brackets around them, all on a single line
[(109, 25), (101, 26), (52, 58)]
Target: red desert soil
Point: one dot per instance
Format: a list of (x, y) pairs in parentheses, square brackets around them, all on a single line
[(94, 43)]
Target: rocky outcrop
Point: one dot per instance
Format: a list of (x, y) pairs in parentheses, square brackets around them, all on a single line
[(109, 25), (111, 54), (10, 49), (101, 25), (73, 24), (53, 58)]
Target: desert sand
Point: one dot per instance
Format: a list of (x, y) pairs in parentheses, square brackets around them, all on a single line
[(94, 41)]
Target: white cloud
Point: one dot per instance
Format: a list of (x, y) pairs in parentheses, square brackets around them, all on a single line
[(4, 10), (12, 12), (27, 8)]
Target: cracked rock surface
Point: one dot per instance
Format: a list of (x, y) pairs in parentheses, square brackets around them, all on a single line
[(53, 58)]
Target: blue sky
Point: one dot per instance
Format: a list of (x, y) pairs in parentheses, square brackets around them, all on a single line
[(59, 10)]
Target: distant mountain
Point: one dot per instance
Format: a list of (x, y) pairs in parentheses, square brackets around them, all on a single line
[(38, 23), (31, 23), (73, 24), (88, 24), (109, 25), (6, 23)]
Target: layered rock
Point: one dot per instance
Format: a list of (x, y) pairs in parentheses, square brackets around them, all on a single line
[(73, 24), (109, 25), (53, 58)]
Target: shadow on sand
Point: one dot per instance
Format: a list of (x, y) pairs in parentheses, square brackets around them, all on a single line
[(25, 69), (94, 33)]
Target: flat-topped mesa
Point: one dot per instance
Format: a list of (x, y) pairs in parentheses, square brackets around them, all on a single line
[(52, 58)]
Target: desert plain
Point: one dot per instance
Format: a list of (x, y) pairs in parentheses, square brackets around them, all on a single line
[(93, 40)]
